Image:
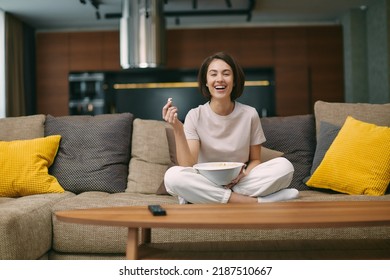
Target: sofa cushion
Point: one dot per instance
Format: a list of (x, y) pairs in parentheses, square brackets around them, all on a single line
[(151, 156), (268, 154), (20, 128), (26, 225), (295, 137), (172, 151), (24, 166), (96, 239), (327, 134), (78, 240), (358, 160), (94, 151), (337, 113)]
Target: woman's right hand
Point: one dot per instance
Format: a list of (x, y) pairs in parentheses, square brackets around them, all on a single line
[(186, 151), (169, 113)]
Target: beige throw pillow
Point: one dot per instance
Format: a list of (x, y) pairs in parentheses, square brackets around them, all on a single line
[(337, 113), (151, 155), (268, 154), (22, 128)]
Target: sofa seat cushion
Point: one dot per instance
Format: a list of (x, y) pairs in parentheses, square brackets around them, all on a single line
[(326, 195), (26, 225), (205, 235), (79, 238), (92, 239), (253, 250)]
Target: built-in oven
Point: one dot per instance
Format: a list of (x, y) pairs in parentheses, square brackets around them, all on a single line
[(87, 94)]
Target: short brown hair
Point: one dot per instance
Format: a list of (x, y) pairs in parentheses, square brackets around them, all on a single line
[(238, 75)]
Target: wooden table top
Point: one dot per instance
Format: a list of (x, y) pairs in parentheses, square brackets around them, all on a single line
[(267, 215)]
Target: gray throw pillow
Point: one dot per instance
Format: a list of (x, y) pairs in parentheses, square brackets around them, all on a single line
[(295, 137), (327, 134), (94, 152)]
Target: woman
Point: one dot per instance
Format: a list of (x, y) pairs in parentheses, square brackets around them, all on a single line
[(223, 130)]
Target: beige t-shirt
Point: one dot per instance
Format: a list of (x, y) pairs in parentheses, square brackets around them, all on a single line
[(224, 138)]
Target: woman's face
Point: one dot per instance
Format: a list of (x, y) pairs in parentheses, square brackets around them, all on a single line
[(219, 79)]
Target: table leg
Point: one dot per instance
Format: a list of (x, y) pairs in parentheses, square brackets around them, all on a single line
[(146, 235), (132, 244)]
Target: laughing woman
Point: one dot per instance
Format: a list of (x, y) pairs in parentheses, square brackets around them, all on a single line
[(224, 130)]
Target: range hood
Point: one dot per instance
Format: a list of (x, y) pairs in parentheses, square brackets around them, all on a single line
[(142, 34)]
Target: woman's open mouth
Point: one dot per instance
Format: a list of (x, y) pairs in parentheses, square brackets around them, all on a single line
[(220, 87)]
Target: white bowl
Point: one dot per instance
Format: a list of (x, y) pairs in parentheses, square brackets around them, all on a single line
[(220, 173)]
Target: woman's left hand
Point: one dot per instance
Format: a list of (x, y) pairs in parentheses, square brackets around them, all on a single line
[(237, 179)]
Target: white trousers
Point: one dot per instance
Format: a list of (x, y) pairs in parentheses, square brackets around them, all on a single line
[(266, 178)]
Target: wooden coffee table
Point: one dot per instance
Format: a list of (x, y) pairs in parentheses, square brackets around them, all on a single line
[(232, 216)]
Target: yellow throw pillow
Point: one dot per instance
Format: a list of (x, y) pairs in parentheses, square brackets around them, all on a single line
[(358, 160), (24, 166)]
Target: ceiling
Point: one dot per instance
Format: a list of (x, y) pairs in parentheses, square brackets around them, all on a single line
[(73, 15)]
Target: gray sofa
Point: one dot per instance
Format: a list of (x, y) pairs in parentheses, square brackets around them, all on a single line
[(116, 160)]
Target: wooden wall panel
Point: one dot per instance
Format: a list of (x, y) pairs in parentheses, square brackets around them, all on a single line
[(327, 83), (308, 61), (86, 51), (325, 54), (256, 47), (185, 48), (110, 51), (224, 39), (290, 46), (292, 91), (52, 73), (252, 47)]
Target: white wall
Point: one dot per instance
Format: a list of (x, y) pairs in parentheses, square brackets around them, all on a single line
[(2, 64)]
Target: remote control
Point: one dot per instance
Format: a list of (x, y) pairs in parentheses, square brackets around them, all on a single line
[(157, 210)]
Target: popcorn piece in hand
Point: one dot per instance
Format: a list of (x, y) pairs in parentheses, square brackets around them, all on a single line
[(170, 100)]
